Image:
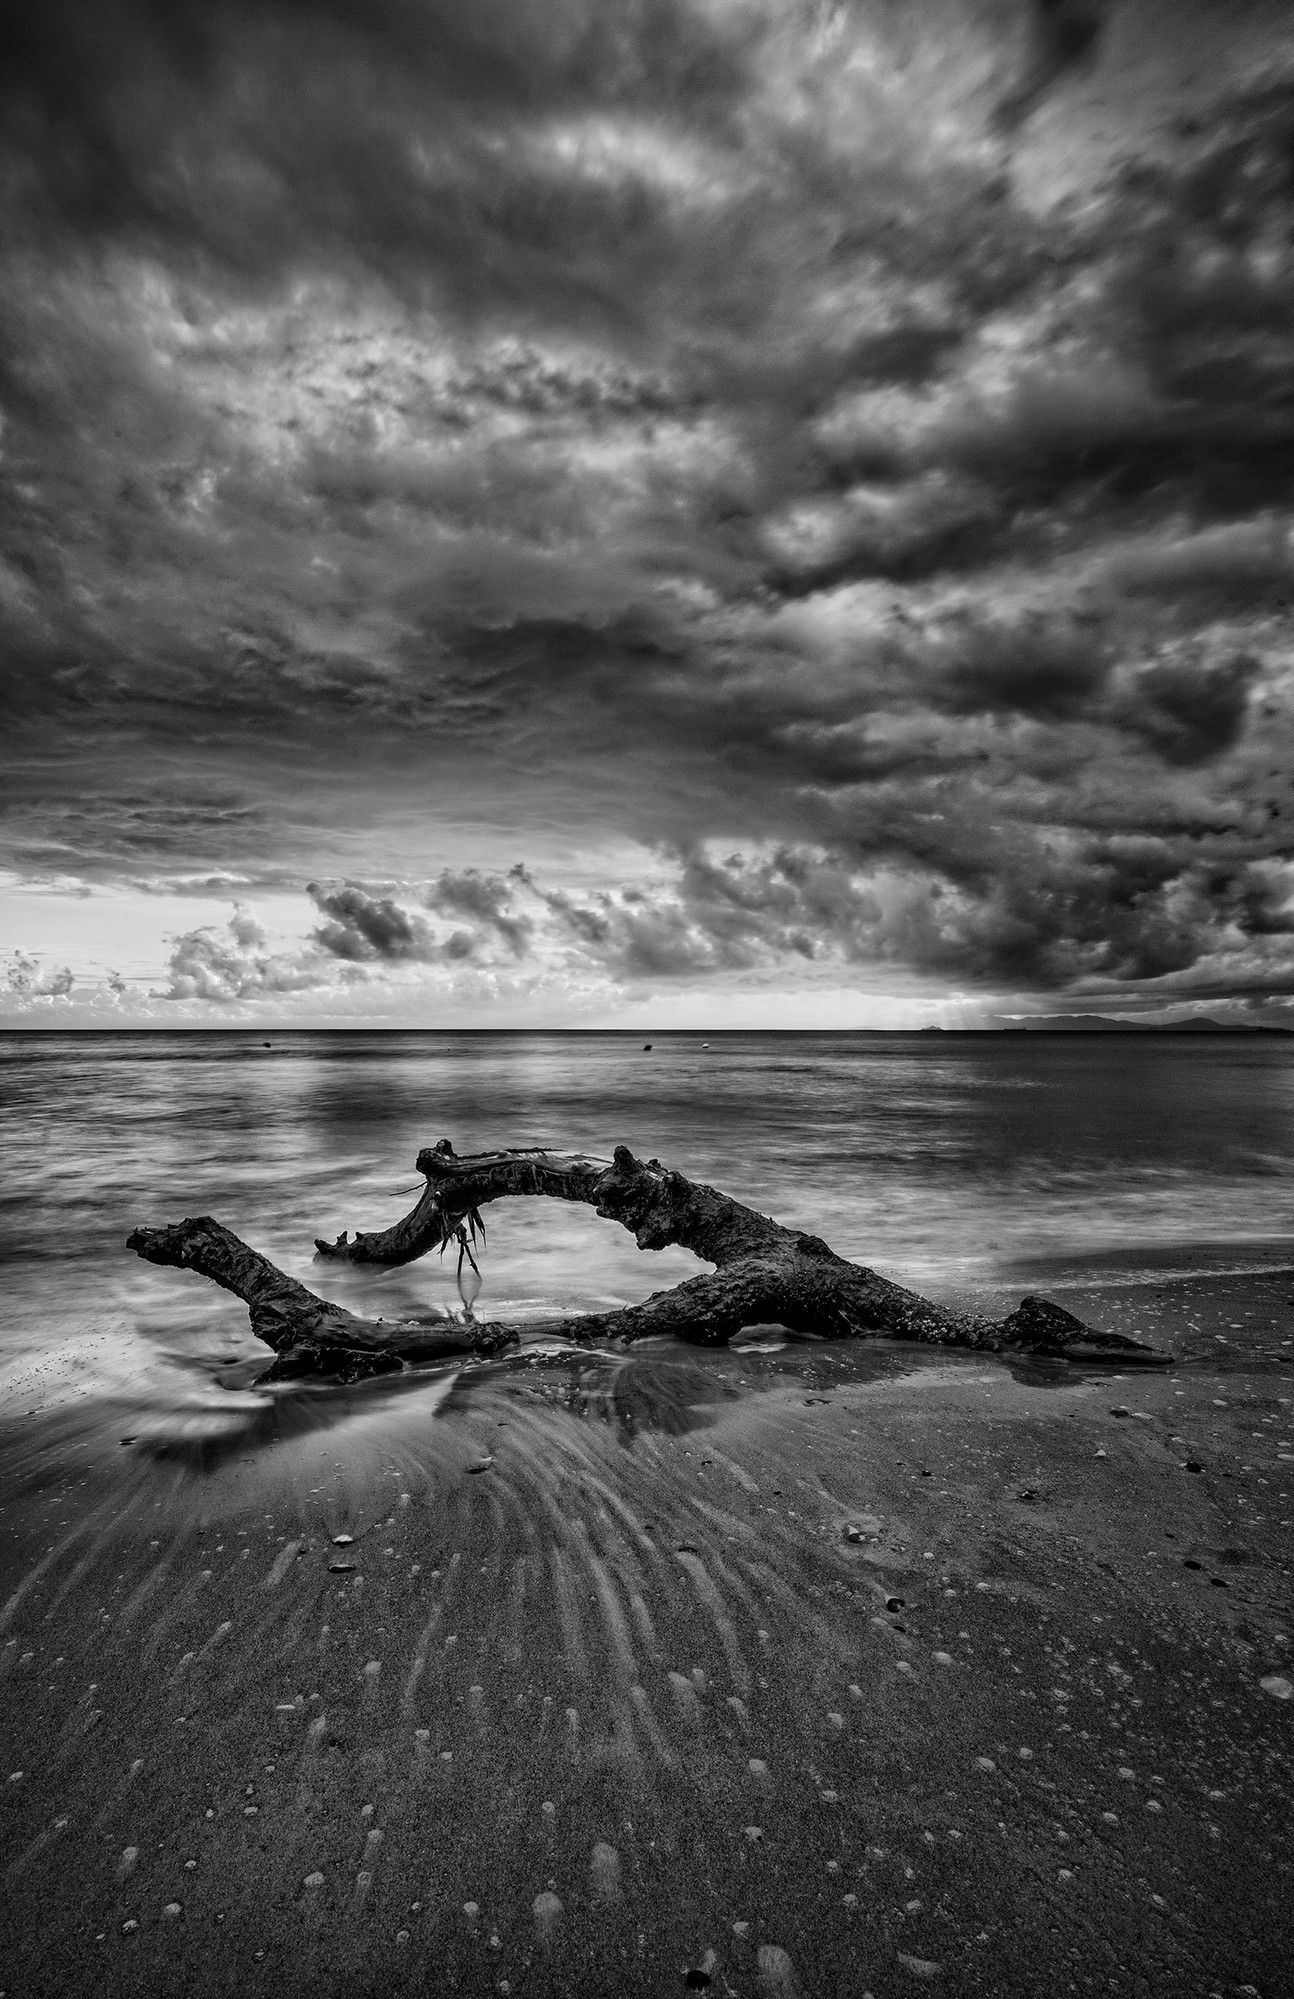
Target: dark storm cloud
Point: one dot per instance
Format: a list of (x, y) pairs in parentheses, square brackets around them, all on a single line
[(1061, 34), (362, 926), (635, 936), (1109, 912), (1037, 665), (860, 435), (1192, 711), (263, 137), (486, 899), (1106, 912)]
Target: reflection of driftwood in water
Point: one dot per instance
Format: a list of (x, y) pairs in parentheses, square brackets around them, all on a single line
[(764, 1274)]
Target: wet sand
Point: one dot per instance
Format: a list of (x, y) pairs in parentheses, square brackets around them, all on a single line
[(813, 1670)]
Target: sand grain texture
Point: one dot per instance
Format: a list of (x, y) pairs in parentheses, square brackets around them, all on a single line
[(630, 1703)]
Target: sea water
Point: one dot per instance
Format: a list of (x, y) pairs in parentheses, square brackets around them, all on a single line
[(960, 1165)]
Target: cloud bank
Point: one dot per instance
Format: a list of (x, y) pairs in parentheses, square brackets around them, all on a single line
[(841, 454)]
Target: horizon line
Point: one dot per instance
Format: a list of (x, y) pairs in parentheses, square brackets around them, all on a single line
[(1116, 1026)]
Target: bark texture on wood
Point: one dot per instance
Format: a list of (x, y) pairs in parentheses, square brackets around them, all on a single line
[(763, 1274), (308, 1334)]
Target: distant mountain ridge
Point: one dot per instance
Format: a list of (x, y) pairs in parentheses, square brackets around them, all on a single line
[(1101, 1023)]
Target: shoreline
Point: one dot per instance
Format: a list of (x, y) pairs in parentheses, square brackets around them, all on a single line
[(629, 1702)]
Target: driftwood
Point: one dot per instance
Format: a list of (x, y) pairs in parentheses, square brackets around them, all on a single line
[(763, 1274), (308, 1334)]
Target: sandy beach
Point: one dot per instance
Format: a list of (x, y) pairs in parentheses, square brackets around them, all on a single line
[(813, 1669)]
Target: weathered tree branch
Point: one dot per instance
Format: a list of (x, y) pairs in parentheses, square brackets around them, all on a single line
[(764, 1273), (657, 1206), (308, 1334)]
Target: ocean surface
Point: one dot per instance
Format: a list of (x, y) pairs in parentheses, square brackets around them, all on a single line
[(962, 1166)]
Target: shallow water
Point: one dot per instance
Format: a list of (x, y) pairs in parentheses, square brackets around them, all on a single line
[(954, 1164)]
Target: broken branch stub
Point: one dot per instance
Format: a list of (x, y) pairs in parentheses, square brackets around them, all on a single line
[(763, 1273)]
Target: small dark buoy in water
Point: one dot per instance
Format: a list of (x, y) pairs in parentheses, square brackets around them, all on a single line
[(646, 1047)]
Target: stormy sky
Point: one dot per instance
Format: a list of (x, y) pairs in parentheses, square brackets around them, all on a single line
[(671, 511)]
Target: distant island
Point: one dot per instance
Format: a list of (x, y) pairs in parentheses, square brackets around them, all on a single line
[(1101, 1023)]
